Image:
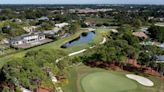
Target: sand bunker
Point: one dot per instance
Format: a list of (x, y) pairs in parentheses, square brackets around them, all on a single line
[(142, 80)]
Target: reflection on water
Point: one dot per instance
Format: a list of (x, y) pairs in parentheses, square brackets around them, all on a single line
[(85, 37)]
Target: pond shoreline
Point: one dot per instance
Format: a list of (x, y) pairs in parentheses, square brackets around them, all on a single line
[(84, 37)]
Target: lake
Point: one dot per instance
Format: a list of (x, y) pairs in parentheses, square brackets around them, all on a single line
[(85, 37)]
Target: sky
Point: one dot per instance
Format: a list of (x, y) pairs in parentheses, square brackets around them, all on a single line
[(82, 2)]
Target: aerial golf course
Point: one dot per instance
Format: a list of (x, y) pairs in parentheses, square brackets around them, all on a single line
[(85, 79)]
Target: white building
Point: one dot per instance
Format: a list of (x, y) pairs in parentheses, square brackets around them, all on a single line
[(61, 25), (27, 38), (30, 29)]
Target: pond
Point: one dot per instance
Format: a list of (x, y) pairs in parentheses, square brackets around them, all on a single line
[(85, 37)]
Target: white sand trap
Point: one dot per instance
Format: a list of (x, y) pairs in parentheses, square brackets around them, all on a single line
[(104, 40), (142, 80)]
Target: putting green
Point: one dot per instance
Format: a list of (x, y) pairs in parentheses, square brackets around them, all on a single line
[(106, 82)]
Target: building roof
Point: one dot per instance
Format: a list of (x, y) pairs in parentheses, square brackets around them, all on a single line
[(61, 24), (18, 38), (140, 34), (161, 45), (160, 58), (43, 18)]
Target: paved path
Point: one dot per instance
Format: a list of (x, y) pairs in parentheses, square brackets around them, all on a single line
[(77, 52)]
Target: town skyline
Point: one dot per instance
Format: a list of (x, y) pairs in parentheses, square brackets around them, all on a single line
[(82, 2)]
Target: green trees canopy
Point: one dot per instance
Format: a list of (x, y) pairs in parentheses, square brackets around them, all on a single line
[(32, 70), (157, 33), (74, 27), (12, 29), (113, 50)]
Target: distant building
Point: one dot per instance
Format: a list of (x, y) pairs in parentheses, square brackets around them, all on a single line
[(140, 34), (159, 19), (161, 45), (160, 59), (16, 20), (61, 25), (150, 18), (148, 43), (89, 10), (27, 38), (30, 29), (51, 32), (43, 19)]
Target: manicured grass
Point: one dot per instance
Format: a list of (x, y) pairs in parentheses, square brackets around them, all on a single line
[(86, 79), (56, 45), (106, 82)]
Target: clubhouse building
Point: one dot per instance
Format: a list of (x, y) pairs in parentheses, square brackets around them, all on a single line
[(28, 40)]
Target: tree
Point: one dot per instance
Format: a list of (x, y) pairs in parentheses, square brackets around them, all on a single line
[(74, 27), (32, 70), (125, 29), (156, 33), (137, 23)]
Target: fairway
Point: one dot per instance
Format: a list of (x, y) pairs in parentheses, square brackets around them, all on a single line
[(106, 82)]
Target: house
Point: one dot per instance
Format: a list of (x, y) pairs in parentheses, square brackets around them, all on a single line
[(61, 25), (43, 19), (27, 38), (148, 43), (30, 29), (16, 20), (140, 34), (160, 59), (49, 32), (161, 45)]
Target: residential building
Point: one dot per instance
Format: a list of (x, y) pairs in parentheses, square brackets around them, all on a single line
[(140, 34), (30, 29), (43, 19), (61, 25), (27, 38), (161, 45), (160, 59)]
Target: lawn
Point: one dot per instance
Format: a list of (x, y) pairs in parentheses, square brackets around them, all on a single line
[(56, 45), (86, 79)]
